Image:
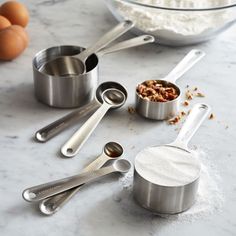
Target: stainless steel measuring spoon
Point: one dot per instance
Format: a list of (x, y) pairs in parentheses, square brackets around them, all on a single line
[(165, 110), (112, 98), (49, 206), (56, 127), (63, 66), (44, 191), (175, 189)]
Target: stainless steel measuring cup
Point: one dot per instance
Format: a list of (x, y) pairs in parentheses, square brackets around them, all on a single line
[(111, 151), (64, 65), (165, 110), (157, 187), (44, 191), (112, 99), (74, 90), (61, 124)]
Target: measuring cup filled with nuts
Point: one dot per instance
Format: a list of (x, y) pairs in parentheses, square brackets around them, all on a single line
[(160, 99)]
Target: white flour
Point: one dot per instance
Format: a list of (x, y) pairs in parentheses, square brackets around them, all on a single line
[(175, 24), (167, 166), (209, 198)]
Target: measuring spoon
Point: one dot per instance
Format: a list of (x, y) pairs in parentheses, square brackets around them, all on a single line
[(49, 206), (53, 67), (56, 127), (112, 98), (44, 191)]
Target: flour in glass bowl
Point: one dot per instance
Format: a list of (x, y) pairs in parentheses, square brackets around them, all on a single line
[(175, 25)]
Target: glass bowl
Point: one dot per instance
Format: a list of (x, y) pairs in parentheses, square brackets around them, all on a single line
[(176, 22)]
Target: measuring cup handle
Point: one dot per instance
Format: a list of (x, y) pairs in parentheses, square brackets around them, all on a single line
[(197, 115), (134, 42), (61, 124), (185, 64), (73, 145), (110, 36)]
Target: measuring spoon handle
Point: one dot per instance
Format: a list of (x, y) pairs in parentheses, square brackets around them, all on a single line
[(53, 204), (73, 145), (110, 36), (195, 118), (134, 42), (56, 127), (49, 189), (185, 64)]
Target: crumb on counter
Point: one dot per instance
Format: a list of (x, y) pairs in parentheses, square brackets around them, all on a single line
[(189, 95), (131, 110), (212, 116), (201, 95), (186, 103)]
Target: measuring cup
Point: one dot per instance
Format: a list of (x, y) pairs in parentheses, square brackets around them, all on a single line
[(112, 98), (44, 191), (166, 177), (61, 124), (63, 66), (166, 110), (77, 90), (111, 151)]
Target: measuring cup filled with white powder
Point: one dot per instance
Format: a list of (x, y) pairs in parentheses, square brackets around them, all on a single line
[(166, 177)]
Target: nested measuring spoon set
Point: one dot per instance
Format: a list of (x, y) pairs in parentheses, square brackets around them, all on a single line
[(67, 77)]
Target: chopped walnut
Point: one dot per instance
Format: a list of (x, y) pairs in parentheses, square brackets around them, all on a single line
[(154, 90), (174, 120), (186, 103), (212, 116), (200, 95), (131, 110), (189, 95)]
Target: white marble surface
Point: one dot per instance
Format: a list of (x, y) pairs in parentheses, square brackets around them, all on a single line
[(106, 207)]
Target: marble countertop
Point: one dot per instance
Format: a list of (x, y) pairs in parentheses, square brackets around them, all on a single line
[(107, 207)]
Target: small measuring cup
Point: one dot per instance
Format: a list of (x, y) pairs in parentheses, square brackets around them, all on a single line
[(51, 130), (44, 191), (166, 110), (111, 151), (112, 99), (168, 192)]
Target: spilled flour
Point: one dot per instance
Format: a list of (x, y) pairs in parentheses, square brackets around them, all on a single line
[(209, 198)]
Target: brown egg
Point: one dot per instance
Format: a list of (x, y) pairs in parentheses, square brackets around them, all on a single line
[(22, 32), (12, 43), (4, 22), (15, 12)]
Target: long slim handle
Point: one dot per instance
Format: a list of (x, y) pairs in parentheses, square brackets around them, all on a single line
[(73, 145), (134, 42), (197, 115), (185, 64), (49, 189), (61, 124), (53, 204), (110, 36)]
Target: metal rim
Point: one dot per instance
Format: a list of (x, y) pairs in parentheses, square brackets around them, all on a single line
[(39, 53), (181, 9)]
